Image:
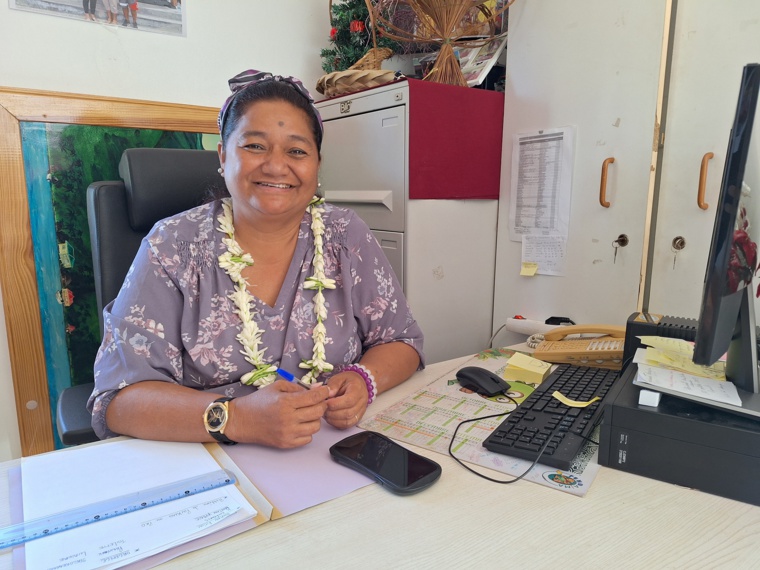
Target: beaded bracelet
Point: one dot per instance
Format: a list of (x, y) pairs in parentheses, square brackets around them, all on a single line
[(369, 380)]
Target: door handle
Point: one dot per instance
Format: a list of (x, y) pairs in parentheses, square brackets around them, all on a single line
[(603, 186), (702, 180)]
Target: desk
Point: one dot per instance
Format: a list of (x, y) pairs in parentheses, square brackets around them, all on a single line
[(624, 521)]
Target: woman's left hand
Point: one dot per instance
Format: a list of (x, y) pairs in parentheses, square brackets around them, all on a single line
[(349, 403)]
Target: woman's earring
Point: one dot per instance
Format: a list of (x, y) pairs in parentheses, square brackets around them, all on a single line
[(220, 170), (319, 185)]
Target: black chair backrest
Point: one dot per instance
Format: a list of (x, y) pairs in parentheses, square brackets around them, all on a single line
[(158, 183)]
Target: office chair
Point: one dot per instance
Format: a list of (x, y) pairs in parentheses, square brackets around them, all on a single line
[(157, 183)]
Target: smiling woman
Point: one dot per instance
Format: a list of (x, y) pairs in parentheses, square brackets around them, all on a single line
[(264, 282)]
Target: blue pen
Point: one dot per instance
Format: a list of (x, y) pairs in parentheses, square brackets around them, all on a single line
[(290, 378)]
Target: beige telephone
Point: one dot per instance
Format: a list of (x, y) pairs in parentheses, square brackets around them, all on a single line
[(605, 351)]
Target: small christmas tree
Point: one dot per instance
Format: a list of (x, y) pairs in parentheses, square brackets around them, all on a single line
[(350, 36)]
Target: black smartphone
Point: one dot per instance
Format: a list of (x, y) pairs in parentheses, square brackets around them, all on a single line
[(387, 462)]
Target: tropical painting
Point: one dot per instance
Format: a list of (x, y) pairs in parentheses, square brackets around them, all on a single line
[(60, 163)]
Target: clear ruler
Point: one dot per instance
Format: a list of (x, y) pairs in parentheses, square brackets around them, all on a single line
[(29, 530)]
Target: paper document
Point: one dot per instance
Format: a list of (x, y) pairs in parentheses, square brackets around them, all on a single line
[(58, 482), (279, 473), (114, 542), (542, 172), (680, 382), (547, 252)]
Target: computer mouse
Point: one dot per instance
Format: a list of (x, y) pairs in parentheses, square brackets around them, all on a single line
[(482, 381)]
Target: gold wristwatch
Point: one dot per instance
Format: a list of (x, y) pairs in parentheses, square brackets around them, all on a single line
[(215, 419)]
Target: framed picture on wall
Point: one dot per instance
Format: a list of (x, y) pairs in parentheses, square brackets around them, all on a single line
[(37, 131), (158, 16)]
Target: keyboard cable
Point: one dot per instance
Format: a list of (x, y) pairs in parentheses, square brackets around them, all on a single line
[(532, 465), (451, 453)]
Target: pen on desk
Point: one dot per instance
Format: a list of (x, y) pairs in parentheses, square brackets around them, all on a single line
[(290, 378)]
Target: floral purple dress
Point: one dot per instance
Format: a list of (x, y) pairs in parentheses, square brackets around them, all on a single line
[(173, 321)]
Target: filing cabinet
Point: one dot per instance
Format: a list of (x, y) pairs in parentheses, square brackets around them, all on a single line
[(420, 163)]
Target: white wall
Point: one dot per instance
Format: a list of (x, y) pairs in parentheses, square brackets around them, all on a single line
[(223, 38)]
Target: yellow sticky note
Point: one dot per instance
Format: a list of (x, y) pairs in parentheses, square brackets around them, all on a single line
[(675, 361), (526, 369), (677, 345), (528, 268), (573, 403)]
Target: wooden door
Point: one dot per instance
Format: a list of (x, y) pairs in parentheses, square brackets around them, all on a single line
[(711, 46), (594, 66)]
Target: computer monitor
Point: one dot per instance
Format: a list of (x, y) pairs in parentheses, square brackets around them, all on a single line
[(727, 316)]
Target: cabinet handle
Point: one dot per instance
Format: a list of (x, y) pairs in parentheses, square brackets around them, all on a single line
[(603, 187), (364, 197), (702, 179)]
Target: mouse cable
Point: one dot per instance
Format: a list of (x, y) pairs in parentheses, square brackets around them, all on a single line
[(451, 453)]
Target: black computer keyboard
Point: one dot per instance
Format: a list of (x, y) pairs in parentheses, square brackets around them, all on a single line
[(542, 417)]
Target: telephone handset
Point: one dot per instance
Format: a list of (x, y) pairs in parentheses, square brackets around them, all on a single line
[(605, 351)]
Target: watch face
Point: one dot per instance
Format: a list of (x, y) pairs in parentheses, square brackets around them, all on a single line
[(216, 416)]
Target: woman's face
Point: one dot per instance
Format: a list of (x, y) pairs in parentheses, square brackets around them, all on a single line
[(271, 161)]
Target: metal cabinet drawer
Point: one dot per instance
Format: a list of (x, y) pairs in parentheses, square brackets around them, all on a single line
[(364, 166)]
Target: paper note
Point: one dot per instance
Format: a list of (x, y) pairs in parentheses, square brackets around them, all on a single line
[(573, 403), (528, 269), (548, 252), (678, 359), (678, 362), (676, 345), (688, 384), (526, 369)]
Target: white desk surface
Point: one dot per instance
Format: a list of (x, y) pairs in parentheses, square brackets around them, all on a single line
[(463, 521)]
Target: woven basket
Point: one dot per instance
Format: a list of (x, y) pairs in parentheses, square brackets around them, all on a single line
[(353, 80), (363, 74), (373, 59)]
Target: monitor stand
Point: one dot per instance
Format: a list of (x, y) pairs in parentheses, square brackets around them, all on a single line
[(750, 401)]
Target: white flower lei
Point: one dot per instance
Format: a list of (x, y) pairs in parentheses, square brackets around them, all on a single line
[(234, 260)]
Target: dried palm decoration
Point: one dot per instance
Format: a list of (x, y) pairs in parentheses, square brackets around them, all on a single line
[(443, 23)]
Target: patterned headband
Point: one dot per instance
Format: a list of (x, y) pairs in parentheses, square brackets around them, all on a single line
[(251, 77)]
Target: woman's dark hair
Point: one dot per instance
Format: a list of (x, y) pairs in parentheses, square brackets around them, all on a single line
[(270, 91), (263, 91)]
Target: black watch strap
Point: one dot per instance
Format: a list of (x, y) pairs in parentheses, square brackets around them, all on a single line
[(221, 438)]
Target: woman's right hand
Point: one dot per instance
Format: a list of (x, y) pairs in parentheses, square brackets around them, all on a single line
[(282, 414)]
